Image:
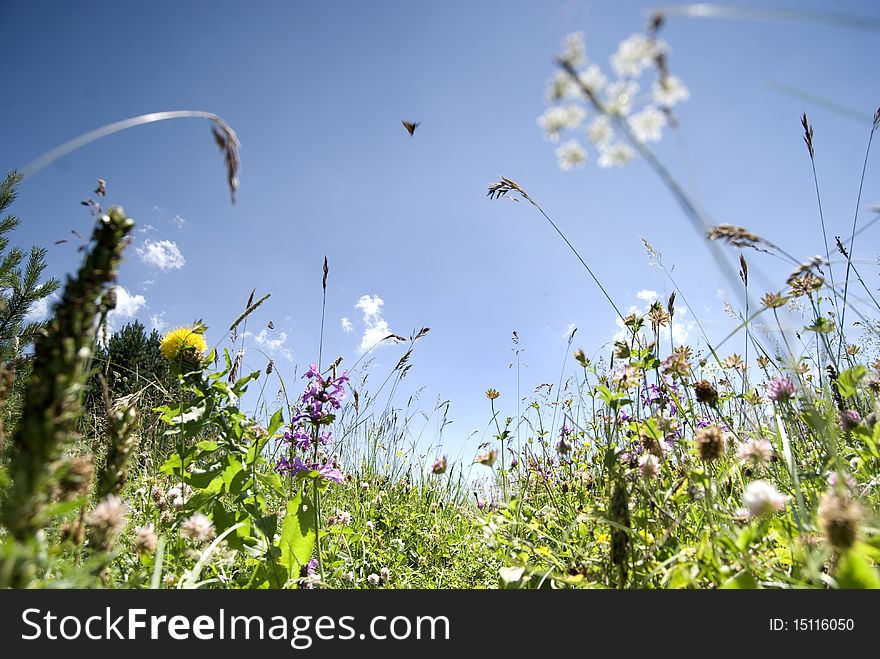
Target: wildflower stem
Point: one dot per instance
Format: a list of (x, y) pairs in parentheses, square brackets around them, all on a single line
[(579, 257), (789, 459)]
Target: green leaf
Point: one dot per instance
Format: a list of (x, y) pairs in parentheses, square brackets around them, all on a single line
[(173, 465), (275, 422), (298, 534), (233, 477), (821, 326), (847, 381), (745, 580), (854, 570), (201, 478)]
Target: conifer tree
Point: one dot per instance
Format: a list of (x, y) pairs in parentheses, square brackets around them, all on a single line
[(20, 289)]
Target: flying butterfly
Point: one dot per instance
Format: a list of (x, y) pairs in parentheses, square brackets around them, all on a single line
[(410, 126)]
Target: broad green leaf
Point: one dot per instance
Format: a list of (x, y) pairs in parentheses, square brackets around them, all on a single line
[(745, 580), (298, 534), (275, 422), (856, 571), (847, 381)]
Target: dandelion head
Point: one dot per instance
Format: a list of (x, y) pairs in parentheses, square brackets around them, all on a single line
[(183, 343)]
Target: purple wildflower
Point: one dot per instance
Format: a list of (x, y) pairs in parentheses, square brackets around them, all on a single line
[(331, 473), (849, 420), (780, 389)]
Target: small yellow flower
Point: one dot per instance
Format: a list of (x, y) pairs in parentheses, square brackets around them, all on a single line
[(183, 343)]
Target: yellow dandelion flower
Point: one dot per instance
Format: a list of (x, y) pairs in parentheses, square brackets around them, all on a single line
[(183, 343)]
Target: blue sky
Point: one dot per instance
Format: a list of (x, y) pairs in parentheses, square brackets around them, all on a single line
[(317, 92)]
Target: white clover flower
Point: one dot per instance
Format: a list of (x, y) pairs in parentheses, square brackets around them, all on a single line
[(592, 78), (373, 579), (615, 155), (573, 50), (757, 451), (648, 124), (649, 466), (635, 54), (145, 539), (197, 528), (385, 574), (620, 95), (571, 155), (600, 131), (669, 91), (761, 498)]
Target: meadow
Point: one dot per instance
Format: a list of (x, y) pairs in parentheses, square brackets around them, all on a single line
[(129, 460)]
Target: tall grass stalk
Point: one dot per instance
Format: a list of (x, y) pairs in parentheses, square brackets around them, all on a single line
[(853, 234)]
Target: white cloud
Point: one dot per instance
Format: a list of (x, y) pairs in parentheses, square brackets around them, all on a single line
[(681, 331), (373, 335), (270, 345), (647, 296), (158, 322), (127, 305), (146, 228), (164, 254), (147, 283), (371, 305), (347, 325), (178, 221), (376, 327), (41, 309)]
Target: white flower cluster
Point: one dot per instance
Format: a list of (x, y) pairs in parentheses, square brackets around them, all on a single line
[(618, 99)]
